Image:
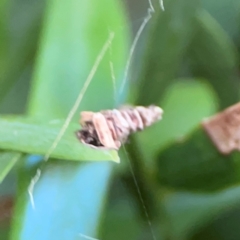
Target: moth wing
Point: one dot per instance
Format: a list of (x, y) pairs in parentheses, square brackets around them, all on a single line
[(103, 131), (86, 117)]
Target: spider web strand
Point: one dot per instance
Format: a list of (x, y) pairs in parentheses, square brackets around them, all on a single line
[(150, 10), (140, 195)]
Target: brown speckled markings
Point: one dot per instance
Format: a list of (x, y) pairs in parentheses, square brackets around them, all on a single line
[(110, 128), (224, 129)]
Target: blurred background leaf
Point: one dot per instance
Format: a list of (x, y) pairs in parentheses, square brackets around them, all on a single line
[(188, 212), (21, 33), (180, 114), (76, 40), (213, 56), (7, 162), (170, 35), (227, 15)]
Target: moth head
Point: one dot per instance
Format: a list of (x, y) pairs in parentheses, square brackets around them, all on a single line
[(88, 135)]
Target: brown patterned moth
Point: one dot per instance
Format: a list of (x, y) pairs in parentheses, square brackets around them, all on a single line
[(224, 129), (110, 128)]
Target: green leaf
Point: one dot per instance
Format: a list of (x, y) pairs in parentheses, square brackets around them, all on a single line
[(3, 31), (197, 183), (7, 162), (227, 15), (185, 104), (214, 58), (21, 34), (69, 47), (195, 164), (29, 136), (119, 215), (187, 212), (169, 38), (4, 231)]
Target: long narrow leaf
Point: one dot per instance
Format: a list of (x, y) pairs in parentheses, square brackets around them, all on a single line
[(29, 137), (214, 58), (169, 37), (7, 162)]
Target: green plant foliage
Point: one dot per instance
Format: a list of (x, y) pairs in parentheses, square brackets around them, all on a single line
[(69, 46), (195, 164), (29, 136), (7, 162), (3, 30), (214, 58), (195, 181), (172, 183), (227, 15), (187, 212), (180, 114), (170, 35), (19, 39)]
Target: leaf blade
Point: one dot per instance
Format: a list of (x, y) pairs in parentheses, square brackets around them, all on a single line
[(30, 137), (198, 209), (7, 162), (214, 58), (166, 48)]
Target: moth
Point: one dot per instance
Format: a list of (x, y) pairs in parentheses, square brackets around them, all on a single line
[(110, 128), (224, 129)]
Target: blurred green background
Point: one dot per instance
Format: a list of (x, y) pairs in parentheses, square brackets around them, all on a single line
[(186, 61)]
